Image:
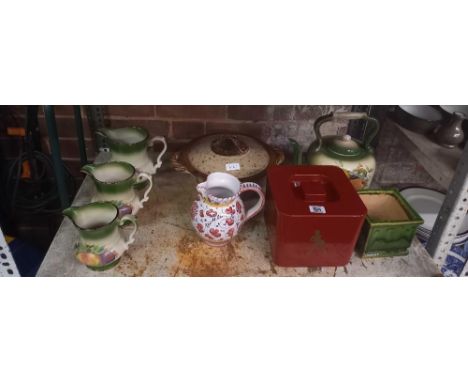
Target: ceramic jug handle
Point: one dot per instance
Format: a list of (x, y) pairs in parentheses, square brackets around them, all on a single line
[(141, 178), (249, 186), (163, 151), (131, 219)]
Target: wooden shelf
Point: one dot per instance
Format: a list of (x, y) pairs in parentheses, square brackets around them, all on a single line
[(438, 161)]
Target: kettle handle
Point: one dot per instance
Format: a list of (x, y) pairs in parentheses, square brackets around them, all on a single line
[(374, 123)]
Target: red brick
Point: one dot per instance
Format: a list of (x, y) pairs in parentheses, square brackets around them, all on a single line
[(64, 110), (187, 129), (60, 110), (69, 148), (194, 111), (14, 110), (251, 113), (154, 127), (248, 128), (129, 111), (65, 127), (174, 145)]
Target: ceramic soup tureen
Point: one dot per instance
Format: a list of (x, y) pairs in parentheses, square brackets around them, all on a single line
[(240, 155)]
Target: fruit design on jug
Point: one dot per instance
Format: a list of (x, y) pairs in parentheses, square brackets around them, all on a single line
[(94, 255), (124, 208)]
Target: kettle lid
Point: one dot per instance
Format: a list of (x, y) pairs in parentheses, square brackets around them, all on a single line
[(343, 145)]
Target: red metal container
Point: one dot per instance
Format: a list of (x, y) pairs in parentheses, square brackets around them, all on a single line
[(313, 215)]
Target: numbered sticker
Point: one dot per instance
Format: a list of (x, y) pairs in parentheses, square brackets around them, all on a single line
[(232, 166), (317, 209)]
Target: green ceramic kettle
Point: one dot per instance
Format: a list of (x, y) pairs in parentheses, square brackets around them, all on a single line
[(354, 157)]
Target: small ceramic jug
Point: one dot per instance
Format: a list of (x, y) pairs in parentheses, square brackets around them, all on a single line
[(218, 213), (130, 144), (451, 134), (116, 182), (101, 244)]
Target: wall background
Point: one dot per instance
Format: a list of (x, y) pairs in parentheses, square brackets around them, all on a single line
[(180, 124)]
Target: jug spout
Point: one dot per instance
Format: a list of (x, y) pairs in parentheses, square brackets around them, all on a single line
[(104, 132), (297, 152), (70, 213), (201, 188), (88, 169), (92, 216)]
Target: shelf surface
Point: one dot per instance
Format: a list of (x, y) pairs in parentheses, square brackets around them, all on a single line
[(166, 245), (438, 161)]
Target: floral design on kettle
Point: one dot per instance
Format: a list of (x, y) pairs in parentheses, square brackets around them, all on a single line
[(360, 176)]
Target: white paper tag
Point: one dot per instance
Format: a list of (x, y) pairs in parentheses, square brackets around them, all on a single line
[(317, 209), (232, 166)]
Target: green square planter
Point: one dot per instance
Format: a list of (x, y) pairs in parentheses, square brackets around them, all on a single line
[(390, 224)]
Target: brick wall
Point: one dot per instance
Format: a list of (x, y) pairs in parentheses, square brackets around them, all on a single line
[(273, 124)]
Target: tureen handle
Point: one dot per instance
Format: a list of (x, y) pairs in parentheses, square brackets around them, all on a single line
[(176, 162), (141, 178), (254, 210), (163, 151), (132, 220)]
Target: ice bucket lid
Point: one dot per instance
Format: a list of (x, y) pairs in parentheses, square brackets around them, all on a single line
[(320, 191)]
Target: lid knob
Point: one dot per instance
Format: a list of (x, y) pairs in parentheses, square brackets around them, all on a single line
[(230, 145)]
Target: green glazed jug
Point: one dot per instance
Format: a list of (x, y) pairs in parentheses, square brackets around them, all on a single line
[(116, 182), (101, 244), (130, 144)]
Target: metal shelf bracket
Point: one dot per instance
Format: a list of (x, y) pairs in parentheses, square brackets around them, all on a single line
[(451, 214)]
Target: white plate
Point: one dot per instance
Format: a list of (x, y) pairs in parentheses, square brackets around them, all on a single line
[(427, 203), (456, 108)]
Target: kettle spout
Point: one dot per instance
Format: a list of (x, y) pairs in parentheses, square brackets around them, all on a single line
[(297, 152)]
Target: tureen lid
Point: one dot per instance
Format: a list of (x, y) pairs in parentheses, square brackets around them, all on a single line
[(240, 155)]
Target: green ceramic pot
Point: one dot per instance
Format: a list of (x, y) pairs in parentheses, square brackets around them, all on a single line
[(390, 224)]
